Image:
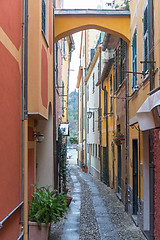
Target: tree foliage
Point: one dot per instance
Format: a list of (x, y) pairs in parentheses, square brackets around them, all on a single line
[(73, 115)]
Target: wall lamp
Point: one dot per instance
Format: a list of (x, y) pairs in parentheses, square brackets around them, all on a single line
[(89, 113), (39, 137)]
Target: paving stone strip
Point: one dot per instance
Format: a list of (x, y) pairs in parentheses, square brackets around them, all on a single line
[(72, 223), (105, 226), (94, 214)]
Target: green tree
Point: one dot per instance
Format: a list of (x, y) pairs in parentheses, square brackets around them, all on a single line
[(73, 116)]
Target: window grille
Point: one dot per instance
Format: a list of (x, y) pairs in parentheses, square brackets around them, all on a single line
[(43, 17)]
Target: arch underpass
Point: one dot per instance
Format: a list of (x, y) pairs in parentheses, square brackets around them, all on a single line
[(116, 22)]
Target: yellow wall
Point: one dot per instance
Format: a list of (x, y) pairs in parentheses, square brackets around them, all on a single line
[(112, 149), (35, 42), (65, 65), (118, 25)]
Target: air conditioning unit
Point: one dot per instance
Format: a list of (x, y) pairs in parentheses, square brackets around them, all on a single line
[(107, 55)]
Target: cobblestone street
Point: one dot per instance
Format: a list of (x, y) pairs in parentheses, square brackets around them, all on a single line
[(95, 212)]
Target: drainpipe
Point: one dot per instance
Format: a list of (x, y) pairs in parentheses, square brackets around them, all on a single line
[(100, 111), (151, 137), (25, 119), (82, 122), (54, 117), (85, 100), (127, 131)]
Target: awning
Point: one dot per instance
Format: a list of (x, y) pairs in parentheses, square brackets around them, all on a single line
[(147, 115)]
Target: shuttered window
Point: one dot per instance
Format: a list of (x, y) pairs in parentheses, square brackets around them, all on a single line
[(115, 72), (93, 121), (57, 64), (43, 17), (145, 39), (134, 60), (122, 60)]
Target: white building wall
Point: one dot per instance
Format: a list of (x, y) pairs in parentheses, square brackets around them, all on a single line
[(93, 136)]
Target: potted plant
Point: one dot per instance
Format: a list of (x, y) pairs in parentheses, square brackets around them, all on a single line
[(68, 198), (47, 206), (84, 168), (118, 138)]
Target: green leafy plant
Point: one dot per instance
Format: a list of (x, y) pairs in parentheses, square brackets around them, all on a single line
[(62, 157), (126, 6), (73, 140), (84, 165), (46, 206)]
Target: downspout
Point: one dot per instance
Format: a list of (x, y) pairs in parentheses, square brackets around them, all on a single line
[(85, 101), (107, 177), (54, 117), (151, 143), (100, 112), (25, 119), (127, 130), (82, 122)]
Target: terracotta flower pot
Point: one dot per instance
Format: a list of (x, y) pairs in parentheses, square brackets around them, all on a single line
[(121, 137), (35, 233), (68, 200), (85, 169)]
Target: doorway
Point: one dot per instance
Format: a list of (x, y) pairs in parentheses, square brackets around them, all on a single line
[(135, 176), (119, 169)]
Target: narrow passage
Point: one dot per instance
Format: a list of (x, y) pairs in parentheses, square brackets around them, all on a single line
[(95, 213)]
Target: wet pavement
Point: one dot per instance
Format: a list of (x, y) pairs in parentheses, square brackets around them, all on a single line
[(94, 213)]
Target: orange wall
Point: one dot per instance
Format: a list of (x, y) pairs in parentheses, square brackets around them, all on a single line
[(10, 116)]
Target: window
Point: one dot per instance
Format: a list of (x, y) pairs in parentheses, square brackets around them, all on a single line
[(54, 3), (57, 63), (87, 125), (93, 122), (111, 95), (43, 17), (115, 71), (134, 60), (87, 93), (122, 60), (93, 80), (95, 150), (105, 101), (145, 39), (63, 48)]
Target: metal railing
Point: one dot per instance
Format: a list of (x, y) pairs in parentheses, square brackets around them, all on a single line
[(4, 219)]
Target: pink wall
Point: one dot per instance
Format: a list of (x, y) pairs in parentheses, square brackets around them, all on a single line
[(10, 142), (157, 183)]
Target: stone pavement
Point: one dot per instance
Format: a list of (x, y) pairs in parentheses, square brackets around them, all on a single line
[(95, 213)]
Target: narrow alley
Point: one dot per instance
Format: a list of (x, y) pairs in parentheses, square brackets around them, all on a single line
[(94, 213)]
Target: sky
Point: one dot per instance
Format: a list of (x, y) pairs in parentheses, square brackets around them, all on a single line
[(75, 61)]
